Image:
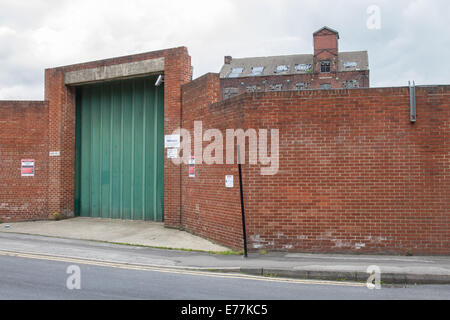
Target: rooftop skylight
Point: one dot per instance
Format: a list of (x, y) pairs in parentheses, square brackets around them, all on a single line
[(282, 68), (350, 64), (257, 71), (236, 72), (302, 67)]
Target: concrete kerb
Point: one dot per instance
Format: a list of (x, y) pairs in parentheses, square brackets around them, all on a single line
[(387, 278)]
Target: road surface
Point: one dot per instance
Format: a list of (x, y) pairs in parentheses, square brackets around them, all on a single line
[(37, 277)]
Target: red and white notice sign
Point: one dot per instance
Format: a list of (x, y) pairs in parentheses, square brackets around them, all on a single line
[(27, 167), (192, 167)]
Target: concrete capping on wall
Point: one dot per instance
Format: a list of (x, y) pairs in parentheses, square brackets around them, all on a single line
[(22, 103), (320, 93), (115, 72)]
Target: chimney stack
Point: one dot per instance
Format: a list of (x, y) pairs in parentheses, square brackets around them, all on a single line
[(228, 59)]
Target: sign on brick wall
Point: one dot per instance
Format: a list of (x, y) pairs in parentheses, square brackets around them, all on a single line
[(229, 181), (192, 167), (27, 168), (172, 153), (172, 141)]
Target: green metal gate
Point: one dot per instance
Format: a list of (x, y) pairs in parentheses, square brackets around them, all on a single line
[(119, 150)]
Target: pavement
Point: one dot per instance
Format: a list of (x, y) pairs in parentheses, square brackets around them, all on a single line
[(140, 233), (57, 243)]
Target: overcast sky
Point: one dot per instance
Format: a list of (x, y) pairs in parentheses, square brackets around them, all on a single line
[(412, 43)]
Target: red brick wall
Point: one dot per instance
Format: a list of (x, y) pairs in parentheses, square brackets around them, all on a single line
[(23, 135), (355, 175), (177, 72), (326, 40), (209, 209)]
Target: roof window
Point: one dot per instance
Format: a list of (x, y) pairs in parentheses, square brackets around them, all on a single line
[(351, 64), (302, 67), (235, 72), (282, 68), (257, 71)]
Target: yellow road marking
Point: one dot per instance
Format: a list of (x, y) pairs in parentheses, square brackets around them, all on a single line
[(173, 270)]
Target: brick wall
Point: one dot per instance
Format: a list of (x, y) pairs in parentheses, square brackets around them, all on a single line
[(23, 135), (355, 175), (209, 209), (326, 40)]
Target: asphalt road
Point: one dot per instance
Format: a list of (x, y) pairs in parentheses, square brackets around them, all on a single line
[(36, 278)]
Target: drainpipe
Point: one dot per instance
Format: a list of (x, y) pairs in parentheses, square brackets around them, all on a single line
[(412, 102)]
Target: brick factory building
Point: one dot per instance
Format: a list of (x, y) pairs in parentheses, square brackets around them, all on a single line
[(327, 68), (357, 171)]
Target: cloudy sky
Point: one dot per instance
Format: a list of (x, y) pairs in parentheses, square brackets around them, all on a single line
[(411, 43)]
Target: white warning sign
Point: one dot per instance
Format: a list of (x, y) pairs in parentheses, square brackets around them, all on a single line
[(27, 167)]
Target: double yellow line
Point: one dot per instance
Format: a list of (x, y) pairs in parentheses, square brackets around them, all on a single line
[(173, 270)]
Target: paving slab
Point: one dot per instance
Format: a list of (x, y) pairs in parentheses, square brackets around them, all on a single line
[(146, 233)]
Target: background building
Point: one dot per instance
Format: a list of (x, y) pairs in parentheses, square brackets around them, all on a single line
[(327, 68)]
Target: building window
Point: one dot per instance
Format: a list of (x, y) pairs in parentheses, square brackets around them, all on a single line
[(325, 66), (257, 71), (350, 84), (230, 92), (276, 87), (235, 72), (253, 89), (282, 69), (301, 86), (325, 86)]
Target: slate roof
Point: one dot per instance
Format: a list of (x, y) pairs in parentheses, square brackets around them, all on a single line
[(269, 63), (348, 61), (361, 58)]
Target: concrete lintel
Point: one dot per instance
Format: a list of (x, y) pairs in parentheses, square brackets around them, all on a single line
[(118, 71)]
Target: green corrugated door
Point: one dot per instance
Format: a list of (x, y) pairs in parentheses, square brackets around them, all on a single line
[(120, 151)]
